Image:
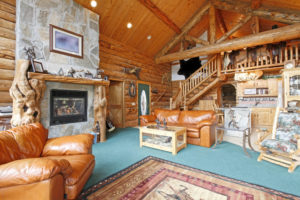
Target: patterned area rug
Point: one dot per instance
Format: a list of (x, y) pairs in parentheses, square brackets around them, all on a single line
[(154, 178)]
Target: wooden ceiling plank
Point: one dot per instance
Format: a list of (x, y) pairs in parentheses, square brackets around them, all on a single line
[(195, 19), (160, 14), (255, 4), (221, 22), (280, 15), (212, 24), (197, 40), (235, 28), (271, 36)]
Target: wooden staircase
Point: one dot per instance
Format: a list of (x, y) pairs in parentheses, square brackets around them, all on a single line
[(200, 82)]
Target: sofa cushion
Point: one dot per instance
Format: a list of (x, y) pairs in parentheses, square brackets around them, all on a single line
[(171, 116), (195, 116), (79, 164), (22, 142)]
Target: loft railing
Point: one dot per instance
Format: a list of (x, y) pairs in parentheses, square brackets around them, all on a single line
[(288, 53)]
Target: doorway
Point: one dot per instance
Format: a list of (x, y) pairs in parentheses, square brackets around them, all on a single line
[(116, 103), (228, 95)]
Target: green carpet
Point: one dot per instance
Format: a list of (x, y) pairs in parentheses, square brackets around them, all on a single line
[(122, 149)]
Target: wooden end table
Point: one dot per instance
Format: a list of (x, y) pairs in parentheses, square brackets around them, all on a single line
[(171, 138)]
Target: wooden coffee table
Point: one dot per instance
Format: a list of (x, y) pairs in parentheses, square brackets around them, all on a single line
[(171, 138)]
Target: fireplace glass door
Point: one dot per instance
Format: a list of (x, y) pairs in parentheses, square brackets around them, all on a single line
[(68, 106)]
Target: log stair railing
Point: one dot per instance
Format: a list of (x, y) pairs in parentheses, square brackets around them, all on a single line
[(196, 85)]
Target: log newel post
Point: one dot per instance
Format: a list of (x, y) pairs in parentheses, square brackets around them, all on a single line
[(100, 104), (26, 95)]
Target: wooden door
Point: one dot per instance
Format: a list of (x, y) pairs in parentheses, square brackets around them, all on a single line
[(116, 103)]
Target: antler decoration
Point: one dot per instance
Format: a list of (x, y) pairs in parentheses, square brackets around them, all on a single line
[(135, 71)]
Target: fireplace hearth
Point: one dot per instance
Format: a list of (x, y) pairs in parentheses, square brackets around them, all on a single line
[(68, 106)]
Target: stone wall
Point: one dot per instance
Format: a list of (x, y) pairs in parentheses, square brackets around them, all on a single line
[(32, 29)]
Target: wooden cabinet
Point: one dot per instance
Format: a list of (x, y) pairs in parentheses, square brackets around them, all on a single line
[(262, 88), (262, 118), (291, 85)]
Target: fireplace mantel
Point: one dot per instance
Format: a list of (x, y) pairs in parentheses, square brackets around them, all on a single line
[(66, 79), (100, 102)]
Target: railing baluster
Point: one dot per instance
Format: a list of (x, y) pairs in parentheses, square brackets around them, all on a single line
[(297, 53)]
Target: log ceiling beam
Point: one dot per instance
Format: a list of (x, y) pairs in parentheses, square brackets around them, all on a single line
[(187, 27), (160, 15), (212, 24), (196, 40), (235, 28), (276, 14), (270, 36)]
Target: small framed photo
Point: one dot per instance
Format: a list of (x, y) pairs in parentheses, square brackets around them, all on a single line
[(38, 67), (65, 42)]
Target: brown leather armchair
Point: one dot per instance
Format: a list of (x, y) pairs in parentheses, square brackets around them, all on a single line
[(34, 167), (200, 124)]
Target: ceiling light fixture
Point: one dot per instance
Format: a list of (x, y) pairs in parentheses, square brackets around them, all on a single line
[(149, 37), (129, 25), (93, 3)]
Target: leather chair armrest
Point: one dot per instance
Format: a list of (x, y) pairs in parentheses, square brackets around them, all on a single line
[(26, 171), (69, 145), (145, 119), (205, 123)]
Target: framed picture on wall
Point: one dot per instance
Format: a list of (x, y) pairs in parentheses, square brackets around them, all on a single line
[(65, 42)]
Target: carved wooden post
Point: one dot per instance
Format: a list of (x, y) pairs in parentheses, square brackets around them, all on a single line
[(100, 104), (26, 95)]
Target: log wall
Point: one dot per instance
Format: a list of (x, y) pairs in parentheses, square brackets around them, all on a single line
[(7, 48), (115, 56)]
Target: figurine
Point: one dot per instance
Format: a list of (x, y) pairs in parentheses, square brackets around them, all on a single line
[(165, 123), (157, 123)]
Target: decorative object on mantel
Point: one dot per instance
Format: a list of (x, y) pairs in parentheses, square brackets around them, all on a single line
[(60, 72), (38, 67), (132, 89), (26, 95), (247, 76), (30, 56), (65, 42), (135, 71), (98, 75)]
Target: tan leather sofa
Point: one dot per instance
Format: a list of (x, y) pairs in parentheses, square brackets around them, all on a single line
[(35, 167), (200, 124)]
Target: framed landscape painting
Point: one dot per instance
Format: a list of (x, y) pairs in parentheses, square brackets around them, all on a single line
[(65, 42)]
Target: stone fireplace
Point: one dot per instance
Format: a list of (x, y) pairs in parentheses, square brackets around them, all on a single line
[(68, 106), (69, 126)]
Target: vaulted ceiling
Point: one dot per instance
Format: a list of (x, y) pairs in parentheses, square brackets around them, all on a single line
[(164, 19)]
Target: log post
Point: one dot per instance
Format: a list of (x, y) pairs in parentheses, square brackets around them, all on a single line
[(26, 95), (100, 104)]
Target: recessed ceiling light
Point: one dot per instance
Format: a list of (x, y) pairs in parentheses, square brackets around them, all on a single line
[(129, 25), (93, 3), (149, 37)]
